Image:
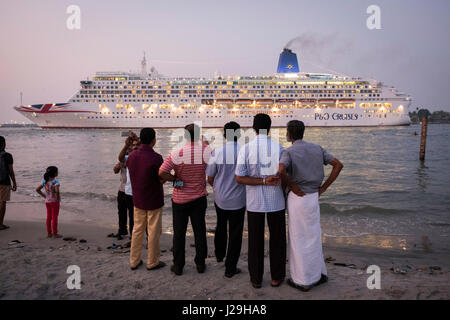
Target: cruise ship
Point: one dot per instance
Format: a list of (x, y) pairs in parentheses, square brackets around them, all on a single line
[(148, 99)]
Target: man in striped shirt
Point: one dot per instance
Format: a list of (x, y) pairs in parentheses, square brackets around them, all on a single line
[(188, 165)]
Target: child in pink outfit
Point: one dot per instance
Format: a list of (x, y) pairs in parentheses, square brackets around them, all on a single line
[(52, 200)]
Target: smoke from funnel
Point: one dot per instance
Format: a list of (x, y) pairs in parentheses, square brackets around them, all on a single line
[(324, 49)]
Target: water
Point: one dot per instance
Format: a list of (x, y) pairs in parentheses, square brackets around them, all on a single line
[(382, 190)]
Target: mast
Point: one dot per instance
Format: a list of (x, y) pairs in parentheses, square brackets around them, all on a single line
[(144, 67)]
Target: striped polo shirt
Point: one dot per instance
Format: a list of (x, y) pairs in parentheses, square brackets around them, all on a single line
[(189, 164)]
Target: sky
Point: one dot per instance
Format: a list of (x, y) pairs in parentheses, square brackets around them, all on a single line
[(43, 59)]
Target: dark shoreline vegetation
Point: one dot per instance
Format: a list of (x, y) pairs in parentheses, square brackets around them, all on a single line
[(435, 117)]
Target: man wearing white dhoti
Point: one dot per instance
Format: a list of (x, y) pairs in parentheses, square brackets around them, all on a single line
[(302, 169)]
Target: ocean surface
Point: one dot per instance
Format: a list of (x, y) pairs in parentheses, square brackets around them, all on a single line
[(383, 189)]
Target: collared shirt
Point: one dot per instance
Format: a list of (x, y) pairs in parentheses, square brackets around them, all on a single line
[(50, 190), (189, 164), (228, 194), (259, 159), (123, 179), (143, 165), (7, 159), (304, 162), (128, 189)]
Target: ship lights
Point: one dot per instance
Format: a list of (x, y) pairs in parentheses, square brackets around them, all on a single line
[(291, 75), (105, 110)]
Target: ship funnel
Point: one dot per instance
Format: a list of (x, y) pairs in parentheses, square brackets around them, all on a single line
[(288, 62)]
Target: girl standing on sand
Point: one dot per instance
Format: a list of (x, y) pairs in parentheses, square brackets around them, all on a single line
[(52, 200)]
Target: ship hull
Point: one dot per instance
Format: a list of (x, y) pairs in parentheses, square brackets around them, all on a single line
[(84, 117)]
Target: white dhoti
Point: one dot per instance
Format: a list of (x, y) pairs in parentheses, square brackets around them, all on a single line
[(306, 261)]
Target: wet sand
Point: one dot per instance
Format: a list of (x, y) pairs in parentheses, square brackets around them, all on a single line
[(36, 267)]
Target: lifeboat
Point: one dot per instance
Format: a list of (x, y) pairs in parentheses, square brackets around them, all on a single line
[(264, 101), (285, 102), (207, 101), (244, 101), (224, 101)]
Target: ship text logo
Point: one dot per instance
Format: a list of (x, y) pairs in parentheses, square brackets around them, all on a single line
[(335, 116)]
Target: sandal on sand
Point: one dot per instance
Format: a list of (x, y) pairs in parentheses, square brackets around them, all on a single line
[(111, 235), (323, 279), (55, 236), (158, 266), (276, 283), (137, 266), (4, 227), (231, 274), (299, 287)]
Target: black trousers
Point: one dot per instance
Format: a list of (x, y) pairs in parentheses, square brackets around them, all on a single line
[(277, 245), (235, 219), (124, 206), (195, 210)]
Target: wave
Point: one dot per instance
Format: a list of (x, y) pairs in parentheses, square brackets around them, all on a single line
[(96, 196), (90, 195), (326, 208)]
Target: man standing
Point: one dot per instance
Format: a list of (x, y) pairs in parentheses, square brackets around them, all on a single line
[(6, 176), (257, 167), (304, 162), (122, 204), (188, 197), (229, 198), (148, 197), (131, 144)]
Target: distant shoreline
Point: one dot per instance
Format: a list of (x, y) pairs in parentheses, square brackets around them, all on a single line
[(32, 125), (19, 125)]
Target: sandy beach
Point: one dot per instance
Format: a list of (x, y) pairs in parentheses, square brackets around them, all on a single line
[(36, 267)]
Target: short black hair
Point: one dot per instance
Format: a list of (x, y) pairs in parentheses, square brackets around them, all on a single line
[(147, 135), (2, 142), (295, 129), (262, 121), (192, 132), (232, 126)]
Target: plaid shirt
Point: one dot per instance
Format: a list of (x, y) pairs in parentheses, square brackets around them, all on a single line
[(259, 159)]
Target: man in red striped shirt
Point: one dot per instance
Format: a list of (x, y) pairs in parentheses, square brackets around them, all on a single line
[(188, 197)]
